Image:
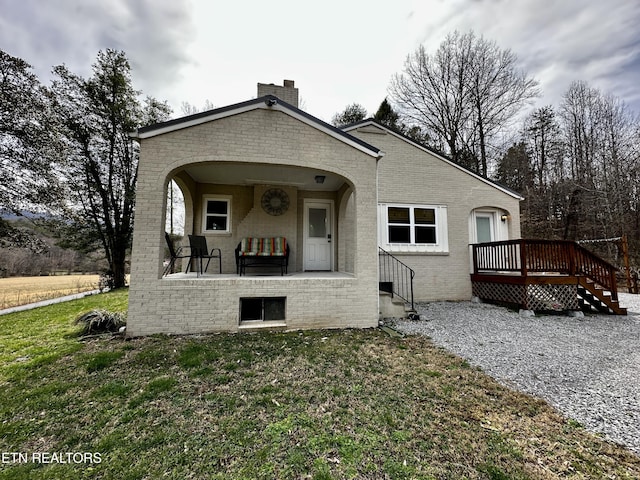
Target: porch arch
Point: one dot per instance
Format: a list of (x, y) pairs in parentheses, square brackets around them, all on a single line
[(243, 186), (489, 224)]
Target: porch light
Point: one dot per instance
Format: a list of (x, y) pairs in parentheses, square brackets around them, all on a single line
[(320, 178), (504, 217)]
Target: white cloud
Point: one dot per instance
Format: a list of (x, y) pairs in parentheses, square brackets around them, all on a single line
[(558, 42), (338, 52), (154, 34)]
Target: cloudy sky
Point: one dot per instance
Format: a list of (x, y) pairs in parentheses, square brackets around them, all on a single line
[(338, 52)]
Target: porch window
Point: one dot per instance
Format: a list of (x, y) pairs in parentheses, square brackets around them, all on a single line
[(217, 214), (418, 228)]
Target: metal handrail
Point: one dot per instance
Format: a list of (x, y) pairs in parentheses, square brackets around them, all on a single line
[(398, 274)]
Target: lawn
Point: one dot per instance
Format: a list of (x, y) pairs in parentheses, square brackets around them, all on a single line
[(22, 290), (314, 404)]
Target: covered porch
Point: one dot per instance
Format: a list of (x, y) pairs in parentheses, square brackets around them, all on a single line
[(312, 210)]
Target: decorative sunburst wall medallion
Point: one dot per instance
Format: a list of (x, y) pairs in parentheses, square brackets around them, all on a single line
[(275, 201)]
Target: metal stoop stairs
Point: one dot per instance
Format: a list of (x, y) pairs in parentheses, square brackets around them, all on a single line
[(395, 286)]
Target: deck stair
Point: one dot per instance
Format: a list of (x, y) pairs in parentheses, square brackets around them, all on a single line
[(593, 298)]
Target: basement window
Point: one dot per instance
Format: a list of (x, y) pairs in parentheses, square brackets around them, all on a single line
[(262, 308)]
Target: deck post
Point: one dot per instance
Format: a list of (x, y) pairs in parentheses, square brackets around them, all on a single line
[(573, 253), (625, 257), (614, 285), (474, 251), (523, 258)]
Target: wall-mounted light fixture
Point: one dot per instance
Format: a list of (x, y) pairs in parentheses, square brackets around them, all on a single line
[(504, 217), (320, 178)]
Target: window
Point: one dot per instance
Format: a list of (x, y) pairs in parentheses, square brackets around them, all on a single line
[(217, 214), (413, 225), (484, 227), (417, 228), (262, 308)]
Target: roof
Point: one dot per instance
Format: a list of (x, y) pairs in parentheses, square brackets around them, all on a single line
[(440, 156), (267, 102)]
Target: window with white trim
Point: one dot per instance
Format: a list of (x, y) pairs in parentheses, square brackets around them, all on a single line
[(216, 214), (413, 228)]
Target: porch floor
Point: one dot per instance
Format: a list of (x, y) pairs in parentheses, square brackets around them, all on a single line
[(264, 276)]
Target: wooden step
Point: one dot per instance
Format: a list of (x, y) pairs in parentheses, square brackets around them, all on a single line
[(598, 298)]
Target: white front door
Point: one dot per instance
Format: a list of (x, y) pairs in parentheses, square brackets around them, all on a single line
[(318, 248)]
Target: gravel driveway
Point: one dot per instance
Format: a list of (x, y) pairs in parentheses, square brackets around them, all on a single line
[(588, 368)]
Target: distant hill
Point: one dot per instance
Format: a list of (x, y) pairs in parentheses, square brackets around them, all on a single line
[(29, 248)]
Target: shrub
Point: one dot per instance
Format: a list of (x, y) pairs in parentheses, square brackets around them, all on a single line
[(101, 321)]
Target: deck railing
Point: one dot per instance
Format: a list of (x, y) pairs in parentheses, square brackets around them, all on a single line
[(551, 256), (397, 275)]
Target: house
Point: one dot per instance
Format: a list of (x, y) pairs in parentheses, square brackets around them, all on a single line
[(265, 168)]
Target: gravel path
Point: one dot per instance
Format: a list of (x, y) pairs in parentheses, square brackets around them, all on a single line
[(588, 368)]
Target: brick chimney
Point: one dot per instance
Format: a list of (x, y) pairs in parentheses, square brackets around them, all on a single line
[(288, 92)]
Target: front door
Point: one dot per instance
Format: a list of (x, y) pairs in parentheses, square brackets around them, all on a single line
[(317, 235)]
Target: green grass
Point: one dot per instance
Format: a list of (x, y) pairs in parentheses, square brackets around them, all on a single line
[(315, 404)]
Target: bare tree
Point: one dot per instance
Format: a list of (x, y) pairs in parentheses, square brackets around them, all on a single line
[(542, 137), (189, 109), (463, 94), (430, 92), (498, 90)]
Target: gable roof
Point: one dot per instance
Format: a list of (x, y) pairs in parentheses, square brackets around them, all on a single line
[(267, 102), (371, 122)]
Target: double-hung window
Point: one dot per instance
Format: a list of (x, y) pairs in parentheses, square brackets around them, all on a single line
[(417, 228), (216, 214)]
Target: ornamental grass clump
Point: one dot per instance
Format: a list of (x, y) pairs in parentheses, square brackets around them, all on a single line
[(101, 321)]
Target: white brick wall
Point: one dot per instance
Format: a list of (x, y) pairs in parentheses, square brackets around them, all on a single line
[(407, 174)]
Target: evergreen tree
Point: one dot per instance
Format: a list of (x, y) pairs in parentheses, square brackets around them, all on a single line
[(387, 116), (28, 139), (351, 114)]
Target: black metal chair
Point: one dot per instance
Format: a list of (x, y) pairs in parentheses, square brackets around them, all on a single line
[(175, 254), (200, 251)]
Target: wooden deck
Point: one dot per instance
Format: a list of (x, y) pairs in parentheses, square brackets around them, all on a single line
[(544, 275)]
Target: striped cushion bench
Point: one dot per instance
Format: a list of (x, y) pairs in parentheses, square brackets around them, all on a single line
[(262, 252)]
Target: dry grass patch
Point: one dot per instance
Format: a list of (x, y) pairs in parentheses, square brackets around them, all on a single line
[(16, 291)]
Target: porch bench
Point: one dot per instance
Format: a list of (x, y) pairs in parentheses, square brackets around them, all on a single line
[(262, 252)]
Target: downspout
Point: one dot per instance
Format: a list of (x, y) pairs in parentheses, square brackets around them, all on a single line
[(378, 158)]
